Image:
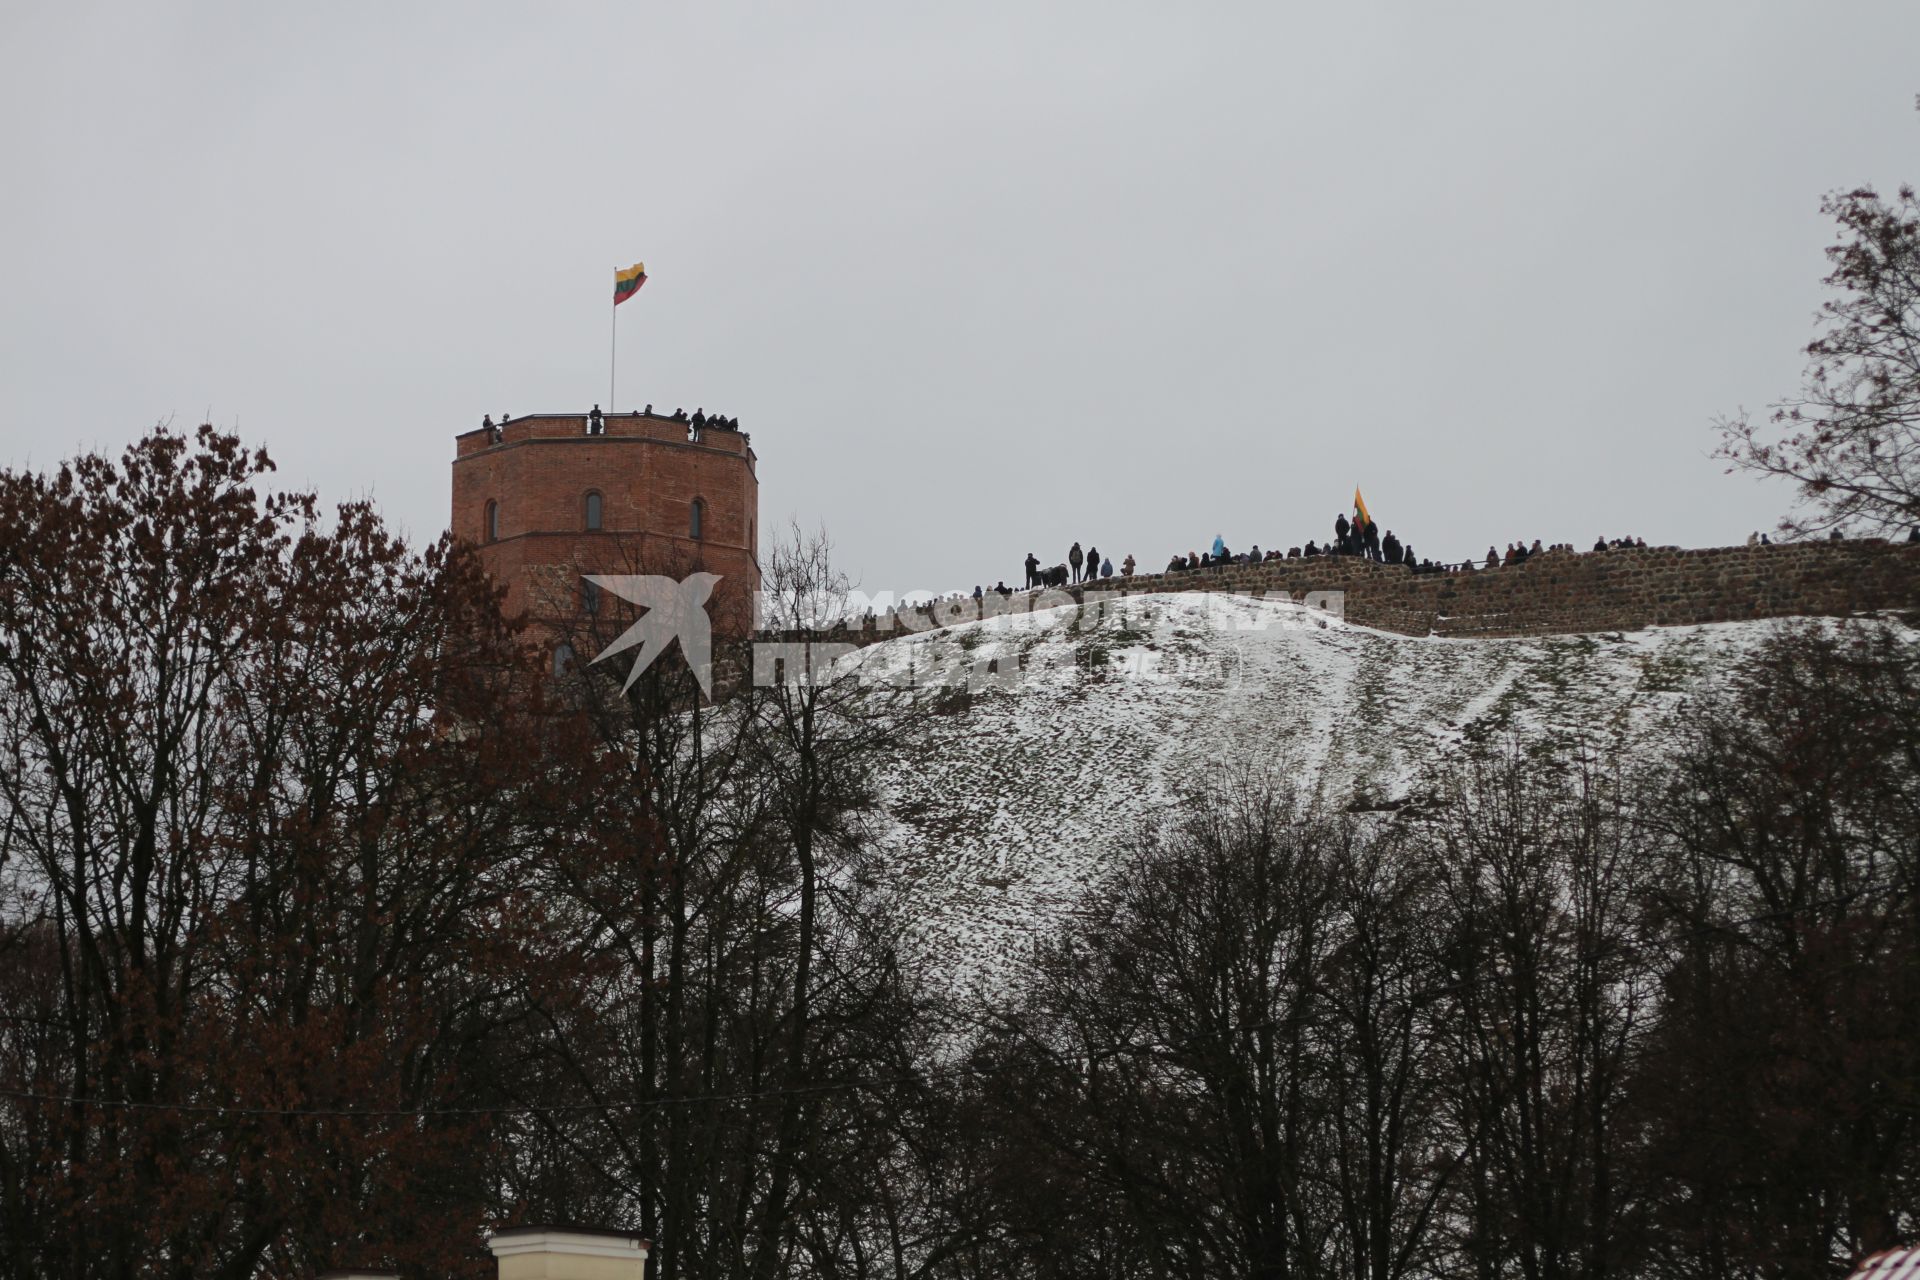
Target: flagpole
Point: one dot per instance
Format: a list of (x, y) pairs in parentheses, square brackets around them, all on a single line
[(613, 354)]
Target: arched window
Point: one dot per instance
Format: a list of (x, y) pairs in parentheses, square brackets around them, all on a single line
[(493, 521), (593, 510), (589, 596), (696, 523), (563, 659)]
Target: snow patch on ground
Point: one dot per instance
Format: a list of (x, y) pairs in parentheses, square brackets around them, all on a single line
[(1029, 791)]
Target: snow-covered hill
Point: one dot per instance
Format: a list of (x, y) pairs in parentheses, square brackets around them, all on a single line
[(995, 835)]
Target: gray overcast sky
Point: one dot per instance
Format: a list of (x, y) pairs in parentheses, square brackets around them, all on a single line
[(979, 278)]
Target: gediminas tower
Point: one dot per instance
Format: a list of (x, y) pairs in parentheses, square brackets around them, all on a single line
[(548, 498)]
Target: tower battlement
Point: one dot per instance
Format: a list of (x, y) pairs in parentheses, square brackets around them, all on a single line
[(621, 426)]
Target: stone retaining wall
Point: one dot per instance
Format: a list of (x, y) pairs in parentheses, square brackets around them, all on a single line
[(1562, 591)]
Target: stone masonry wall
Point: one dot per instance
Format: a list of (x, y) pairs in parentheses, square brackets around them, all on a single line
[(1558, 592)]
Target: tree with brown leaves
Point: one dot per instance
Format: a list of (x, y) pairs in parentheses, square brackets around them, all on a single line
[(269, 792)]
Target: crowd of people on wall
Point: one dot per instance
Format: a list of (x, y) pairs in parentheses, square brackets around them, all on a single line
[(702, 421), (1080, 566), (1089, 566), (699, 420), (1360, 536), (1356, 537)]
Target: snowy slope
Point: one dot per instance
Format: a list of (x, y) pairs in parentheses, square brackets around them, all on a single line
[(993, 837)]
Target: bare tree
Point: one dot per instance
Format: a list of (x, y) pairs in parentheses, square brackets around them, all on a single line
[(1787, 1082), (1850, 441), (1191, 1028), (1388, 1005), (1540, 864), (748, 1061), (821, 735)]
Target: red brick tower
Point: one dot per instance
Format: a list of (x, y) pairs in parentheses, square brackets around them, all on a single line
[(549, 497)]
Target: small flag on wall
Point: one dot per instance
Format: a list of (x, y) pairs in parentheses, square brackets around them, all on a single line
[(1360, 508), (627, 283)]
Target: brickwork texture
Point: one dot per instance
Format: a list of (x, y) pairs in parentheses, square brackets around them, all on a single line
[(536, 475)]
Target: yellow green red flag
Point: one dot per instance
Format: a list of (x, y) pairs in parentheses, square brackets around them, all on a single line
[(1360, 508), (627, 283)]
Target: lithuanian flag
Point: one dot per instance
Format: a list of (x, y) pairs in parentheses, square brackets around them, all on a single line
[(1360, 508), (627, 283)]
